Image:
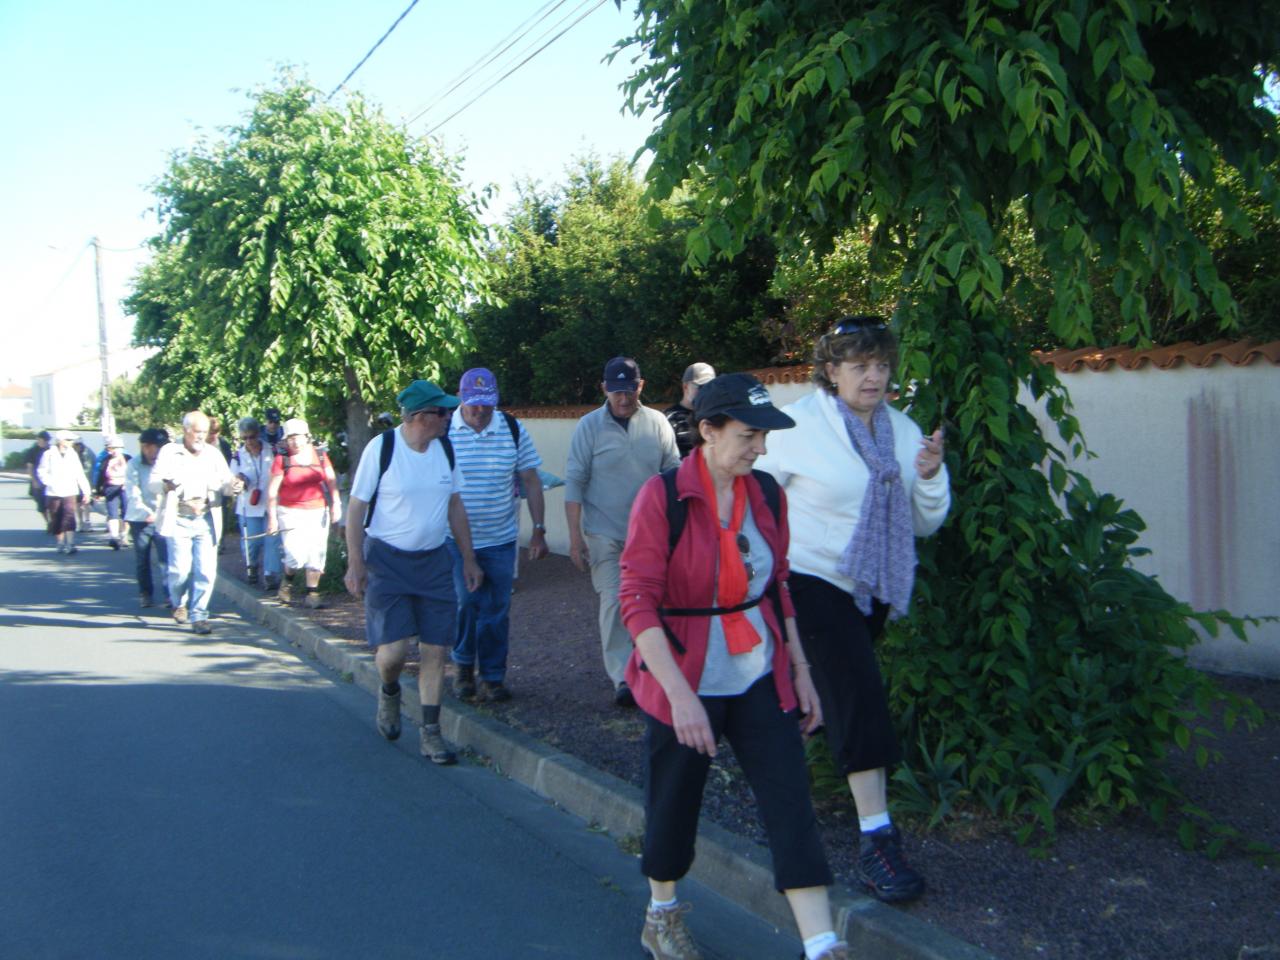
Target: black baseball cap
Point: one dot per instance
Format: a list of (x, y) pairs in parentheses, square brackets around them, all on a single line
[(154, 435), (621, 373), (742, 397), (271, 415)]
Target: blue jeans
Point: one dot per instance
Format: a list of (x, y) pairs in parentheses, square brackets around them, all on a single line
[(484, 616), (146, 547), (193, 564), (264, 551)]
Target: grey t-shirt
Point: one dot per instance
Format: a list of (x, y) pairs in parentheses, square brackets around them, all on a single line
[(726, 674)]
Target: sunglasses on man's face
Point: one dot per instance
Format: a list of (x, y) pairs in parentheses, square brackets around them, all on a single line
[(432, 412), (248, 436), (856, 324)]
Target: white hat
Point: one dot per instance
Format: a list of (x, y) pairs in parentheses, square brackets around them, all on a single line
[(296, 426), (113, 442), (66, 435)]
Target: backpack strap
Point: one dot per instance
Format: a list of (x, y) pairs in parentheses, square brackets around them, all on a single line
[(677, 510), (514, 426), (448, 450), (384, 463)]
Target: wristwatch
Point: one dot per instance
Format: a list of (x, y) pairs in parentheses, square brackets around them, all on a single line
[(540, 527)]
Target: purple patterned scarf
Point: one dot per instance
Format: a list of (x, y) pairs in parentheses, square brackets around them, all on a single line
[(881, 556)]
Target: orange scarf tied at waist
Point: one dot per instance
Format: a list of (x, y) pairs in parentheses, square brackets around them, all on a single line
[(731, 571)]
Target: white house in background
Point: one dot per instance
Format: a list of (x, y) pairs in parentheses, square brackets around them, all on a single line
[(57, 397), (15, 404)]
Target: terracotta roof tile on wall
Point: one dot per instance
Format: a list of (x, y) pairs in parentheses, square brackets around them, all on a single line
[(799, 373), (550, 412), (1238, 353)]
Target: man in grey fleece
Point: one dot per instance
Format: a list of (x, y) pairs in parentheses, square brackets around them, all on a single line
[(614, 450)]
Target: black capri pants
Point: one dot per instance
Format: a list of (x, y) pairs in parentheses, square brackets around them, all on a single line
[(839, 642), (767, 743)]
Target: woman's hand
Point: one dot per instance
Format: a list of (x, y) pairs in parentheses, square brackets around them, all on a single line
[(810, 705), (693, 729), (929, 459)]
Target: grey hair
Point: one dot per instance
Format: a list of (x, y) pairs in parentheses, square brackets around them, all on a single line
[(189, 418), (248, 424)]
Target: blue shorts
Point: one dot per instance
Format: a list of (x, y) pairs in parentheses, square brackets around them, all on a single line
[(409, 593)]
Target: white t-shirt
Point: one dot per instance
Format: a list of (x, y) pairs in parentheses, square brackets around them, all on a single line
[(413, 498)]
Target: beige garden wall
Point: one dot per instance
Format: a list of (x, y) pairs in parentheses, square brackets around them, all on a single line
[(1196, 451)]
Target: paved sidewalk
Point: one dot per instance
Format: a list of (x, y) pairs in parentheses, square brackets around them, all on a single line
[(734, 867)]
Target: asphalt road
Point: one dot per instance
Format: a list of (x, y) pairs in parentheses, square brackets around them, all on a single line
[(169, 795)]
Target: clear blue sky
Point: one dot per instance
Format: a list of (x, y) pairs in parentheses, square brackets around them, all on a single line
[(96, 96)]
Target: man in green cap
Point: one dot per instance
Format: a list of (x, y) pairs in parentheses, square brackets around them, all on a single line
[(405, 499)]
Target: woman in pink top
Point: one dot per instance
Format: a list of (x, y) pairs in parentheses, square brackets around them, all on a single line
[(302, 503)]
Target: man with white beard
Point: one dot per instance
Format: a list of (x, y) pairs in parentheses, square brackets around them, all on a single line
[(190, 475)]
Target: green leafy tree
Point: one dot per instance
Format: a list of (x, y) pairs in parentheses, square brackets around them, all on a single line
[(315, 258), (132, 405), (1039, 667), (589, 270)]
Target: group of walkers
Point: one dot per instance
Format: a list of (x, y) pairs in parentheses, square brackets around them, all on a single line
[(746, 559)]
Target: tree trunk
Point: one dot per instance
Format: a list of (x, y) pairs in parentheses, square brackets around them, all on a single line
[(359, 421)]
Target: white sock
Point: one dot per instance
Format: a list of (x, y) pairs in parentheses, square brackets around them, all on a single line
[(814, 946), (873, 822), (657, 906)]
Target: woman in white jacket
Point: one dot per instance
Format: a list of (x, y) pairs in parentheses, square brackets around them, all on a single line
[(862, 482)]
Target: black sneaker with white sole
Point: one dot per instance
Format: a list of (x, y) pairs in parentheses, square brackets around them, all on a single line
[(882, 868)]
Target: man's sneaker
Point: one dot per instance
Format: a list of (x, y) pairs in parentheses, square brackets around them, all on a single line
[(883, 870), (839, 951), (312, 601), (115, 544), (433, 747), (202, 627), (623, 697), (144, 600), (389, 714), (285, 591), (665, 937), (464, 683), (180, 614), (493, 691)]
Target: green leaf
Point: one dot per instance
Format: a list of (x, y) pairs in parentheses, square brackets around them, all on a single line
[(1069, 29)]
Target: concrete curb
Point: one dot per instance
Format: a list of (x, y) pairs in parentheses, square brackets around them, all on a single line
[(732, 866)]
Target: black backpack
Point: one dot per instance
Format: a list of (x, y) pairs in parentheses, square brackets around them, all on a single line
[(384, 464), (678, 514)]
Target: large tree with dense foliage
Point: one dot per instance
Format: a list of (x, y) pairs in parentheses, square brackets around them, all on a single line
[(1039, 666), (588, 270), (313, 257)]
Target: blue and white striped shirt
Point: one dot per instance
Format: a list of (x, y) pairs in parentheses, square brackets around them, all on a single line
[(490, 462)]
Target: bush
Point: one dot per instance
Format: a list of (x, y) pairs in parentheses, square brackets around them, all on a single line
[(14, 460)]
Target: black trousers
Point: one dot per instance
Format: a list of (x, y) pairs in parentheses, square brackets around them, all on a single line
[(767, 743), (839, 643)]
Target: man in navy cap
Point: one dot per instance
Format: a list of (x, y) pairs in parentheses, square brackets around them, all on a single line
[(405, 499), (614, 450)]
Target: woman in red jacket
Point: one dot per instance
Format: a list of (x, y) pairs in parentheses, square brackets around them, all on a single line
[(711, 657)]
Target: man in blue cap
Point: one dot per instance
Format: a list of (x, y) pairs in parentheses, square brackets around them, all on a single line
[(493, 451), (614, 450), (405, 499)]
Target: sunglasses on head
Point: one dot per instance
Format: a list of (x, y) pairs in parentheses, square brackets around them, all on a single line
[(855, 324)]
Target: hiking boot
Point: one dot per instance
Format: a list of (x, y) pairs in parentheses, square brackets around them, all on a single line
[(285, 592), (250, 574), (839, 951), (883, 870), (202, 627), (144, 600), (665, 937), (115, 544), (433, 747), (464, 683), (493, 691), (180, 614), (312, 601), (271, 583), (623, 697), (389, 714)]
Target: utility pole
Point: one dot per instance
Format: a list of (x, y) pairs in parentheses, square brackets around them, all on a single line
[(108, 424)]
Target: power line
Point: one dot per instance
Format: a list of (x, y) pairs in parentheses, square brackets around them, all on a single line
[(492, 54), (412, 4), (495, 83)]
